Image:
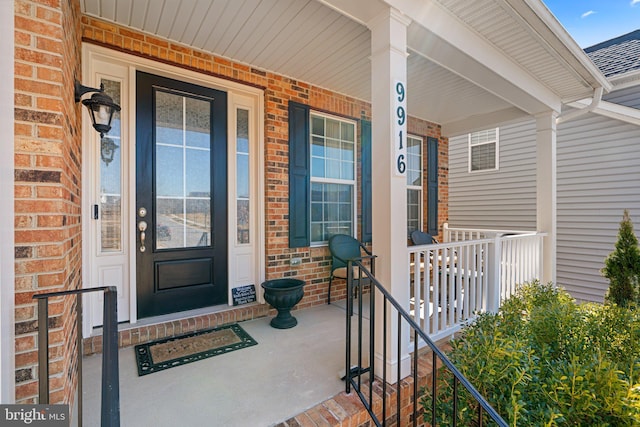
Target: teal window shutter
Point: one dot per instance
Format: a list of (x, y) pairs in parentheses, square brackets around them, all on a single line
[(299, 176), (365, 147), (432, 186)]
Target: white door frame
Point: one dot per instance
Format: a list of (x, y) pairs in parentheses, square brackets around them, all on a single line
[(239, 96)]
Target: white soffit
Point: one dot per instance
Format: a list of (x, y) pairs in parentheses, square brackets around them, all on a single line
[(432, 89), (528, 33), (327, 43)]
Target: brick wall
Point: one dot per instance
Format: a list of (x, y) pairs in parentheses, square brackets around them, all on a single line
[(279, 91), (47, 187)]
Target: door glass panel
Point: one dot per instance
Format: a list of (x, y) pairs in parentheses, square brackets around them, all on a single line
[(110, 214), (198, 123), (242, 176), (169, 174), (182, 171), (198, 173)]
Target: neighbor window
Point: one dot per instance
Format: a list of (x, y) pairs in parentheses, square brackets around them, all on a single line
[(414, 183), (483, 150), (333, 183)]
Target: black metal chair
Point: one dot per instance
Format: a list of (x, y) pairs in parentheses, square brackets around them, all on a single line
[(343, 248), (419, 237)]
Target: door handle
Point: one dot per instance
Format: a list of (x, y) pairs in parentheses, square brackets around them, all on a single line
[(142, 226)]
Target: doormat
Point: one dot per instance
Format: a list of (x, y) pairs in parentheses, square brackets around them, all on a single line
[(169, 352)]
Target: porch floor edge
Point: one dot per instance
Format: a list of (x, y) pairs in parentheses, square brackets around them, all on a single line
[(134, 334)]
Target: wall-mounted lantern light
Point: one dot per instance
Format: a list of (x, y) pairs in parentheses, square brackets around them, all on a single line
[(101, 107)]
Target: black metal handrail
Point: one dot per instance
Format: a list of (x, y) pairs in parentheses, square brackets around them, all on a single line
[(354, 375), (110, 409)]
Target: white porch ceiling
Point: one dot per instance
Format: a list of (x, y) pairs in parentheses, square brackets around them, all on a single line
[(327, 43)]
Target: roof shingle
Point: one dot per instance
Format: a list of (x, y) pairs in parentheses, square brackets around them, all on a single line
[(618, 55)]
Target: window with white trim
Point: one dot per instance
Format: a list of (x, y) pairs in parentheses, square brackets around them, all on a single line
[(333, 177), (414, 183), (483, 150)]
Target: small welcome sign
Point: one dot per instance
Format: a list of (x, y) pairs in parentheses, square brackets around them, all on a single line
[(243, 294)]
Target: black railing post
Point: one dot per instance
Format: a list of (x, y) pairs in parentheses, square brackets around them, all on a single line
[(415, 377), (399, 369), (43, 352), (110, 371), (110, 409), (347, 363), (79, 351), (384, 357), (434, 386)]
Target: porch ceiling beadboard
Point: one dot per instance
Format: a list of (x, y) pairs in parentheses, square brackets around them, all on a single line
[(304, 40), (327, 43)]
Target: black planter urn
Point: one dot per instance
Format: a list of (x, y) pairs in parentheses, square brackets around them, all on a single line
[(283, 295)]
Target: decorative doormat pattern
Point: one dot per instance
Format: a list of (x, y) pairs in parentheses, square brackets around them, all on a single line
[(169, 352)]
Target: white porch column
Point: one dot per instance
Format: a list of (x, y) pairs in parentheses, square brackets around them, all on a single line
[(546, 191), (389, 198)]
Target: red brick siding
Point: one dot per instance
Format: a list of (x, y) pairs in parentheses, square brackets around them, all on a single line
[(47, 188)]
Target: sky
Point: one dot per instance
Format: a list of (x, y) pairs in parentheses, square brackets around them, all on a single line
[(593, 21)]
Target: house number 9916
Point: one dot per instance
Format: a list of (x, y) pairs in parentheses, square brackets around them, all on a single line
[(399, 128)]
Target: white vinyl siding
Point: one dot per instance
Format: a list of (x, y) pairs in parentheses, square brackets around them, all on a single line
[(598, 176), (504, 198), (629, 97)]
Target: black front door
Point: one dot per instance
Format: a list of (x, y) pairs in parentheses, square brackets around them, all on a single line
[(181, 196)]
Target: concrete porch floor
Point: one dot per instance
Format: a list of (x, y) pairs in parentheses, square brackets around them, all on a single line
[(288, 372)]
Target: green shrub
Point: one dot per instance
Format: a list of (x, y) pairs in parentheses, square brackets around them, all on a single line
[(622, 266), (546, 361)]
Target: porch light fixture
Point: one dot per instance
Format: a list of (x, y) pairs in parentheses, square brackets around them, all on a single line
[(101, 107)]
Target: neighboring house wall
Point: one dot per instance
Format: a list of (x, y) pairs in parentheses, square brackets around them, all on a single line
[(629, 97), (598, 177), (47, 189), (503, 198)]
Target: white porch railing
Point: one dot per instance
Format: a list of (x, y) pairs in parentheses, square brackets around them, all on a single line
[(472, 272)]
